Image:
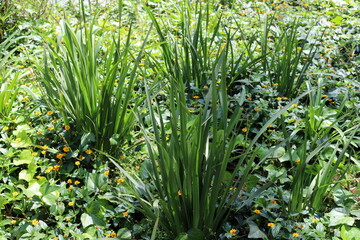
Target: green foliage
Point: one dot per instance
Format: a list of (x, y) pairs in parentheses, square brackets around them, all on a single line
[(75, 66)]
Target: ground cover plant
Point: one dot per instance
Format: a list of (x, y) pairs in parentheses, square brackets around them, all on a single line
[(179, 119)]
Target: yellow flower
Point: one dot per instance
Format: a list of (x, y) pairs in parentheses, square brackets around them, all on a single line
[(120, 180), (56, 168), (191, 111), (51, 128), (265, 86), (324, 96), (271, 224), (179, 193), (77, 163), (5, 128), (107, 173), (315, 219), (49, 169), (125, 213), (77, 182), (15, 194), (71, 188), (297, 160), (50, 112), (256, 110), (195, 97), (233, 232), (13, 221), (66, 149), (35, 222), (69, 181), (20, 66), (273, 201), (71, 204), (59, 155), (67, 219), (122, 157), (257, 211), (113, 235), (276, 84), (67, 127), (89, 151), (278, 98), (25, 99), (137, 167), (294, 105), (244, 130), (80, 157), (295, 235)]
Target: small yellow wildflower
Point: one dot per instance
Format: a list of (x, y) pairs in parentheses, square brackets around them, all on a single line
[(13, 221), (324, 96), (179, 193), (113, 235), (89, 151), (15, 194), (120, 180), (249, 98), (125, 213), (71, 204), (67, 127), (69, 181), (107, 173), (50, 112), (233, 232), (256, 110), (294, 105), (195, 97), (51, 128), (71, 188), (122, 157), (315, 219), (5, 128), (59, 155), (66, 149), (137, 167), (56, 168), (278, 98), (276, 84), (271, 224), (49, 169), (77, 182), (191, 111), (20, 66), (77, 163), (273, 201), (35, 222), (257, 211), (265, 86), (297, 160), (295, 235), (244, 130), (67, 219)]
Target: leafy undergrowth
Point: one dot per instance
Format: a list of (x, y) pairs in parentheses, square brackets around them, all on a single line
[(301, 180)]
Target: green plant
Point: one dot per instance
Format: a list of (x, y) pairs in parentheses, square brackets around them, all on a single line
[(96, 93), (286, 60)]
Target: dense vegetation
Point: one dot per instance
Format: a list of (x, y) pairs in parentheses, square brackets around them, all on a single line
[(179, 119)]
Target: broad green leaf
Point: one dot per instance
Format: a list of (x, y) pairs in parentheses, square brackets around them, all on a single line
[(95, 181), (255, 232), (349, 233), (49, 199), (339, 218), (25, 158), (90, 219), (22, 140), (124, 233)]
